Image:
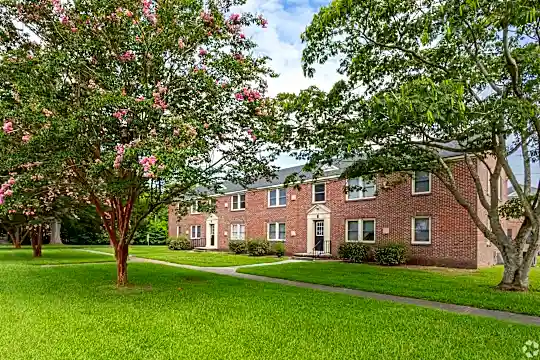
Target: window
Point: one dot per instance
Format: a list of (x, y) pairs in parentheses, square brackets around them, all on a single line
[(178, 231), (421, 230), (362, 230), (360, 189), (277, 197), (195, 208), (238, 202), (195, 231), (276, 231), (238, 232), (421, 182), (319, 192), (509, 234)]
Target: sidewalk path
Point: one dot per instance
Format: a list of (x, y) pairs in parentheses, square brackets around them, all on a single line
[(458, 309)]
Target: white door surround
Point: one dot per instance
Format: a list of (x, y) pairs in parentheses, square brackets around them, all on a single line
[(212, 221), (317, 213)]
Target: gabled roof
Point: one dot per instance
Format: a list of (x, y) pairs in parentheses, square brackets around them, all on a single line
[(512, 192)]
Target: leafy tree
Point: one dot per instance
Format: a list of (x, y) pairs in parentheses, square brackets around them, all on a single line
[(425, 78), (128, 99)]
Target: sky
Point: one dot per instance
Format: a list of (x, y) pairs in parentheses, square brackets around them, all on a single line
[(287, 19)]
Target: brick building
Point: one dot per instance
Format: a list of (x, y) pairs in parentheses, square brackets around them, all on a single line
[(416, 210)]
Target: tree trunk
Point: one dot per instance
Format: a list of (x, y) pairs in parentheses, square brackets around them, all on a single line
[(121, 253), (16, 238), (37, 241), (515, 276)]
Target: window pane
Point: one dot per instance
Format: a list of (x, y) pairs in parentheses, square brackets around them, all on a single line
[(273, 198), (198, 231), (352, 230), (282, 196), (243, 201), (421, 230), (272, 231), (319, 192), (369, 189), (368, 230), (353, 190), (242, 234), (282, 231), (421, 182)]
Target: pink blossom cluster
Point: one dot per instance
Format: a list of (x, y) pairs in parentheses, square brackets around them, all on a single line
[(159, 103), (8, 127), (59, 10), (238, 57), (120, 150), (148, 13), (5, 189), (207, 18), (26, 138), (248, 94), (181, 44), (140, 98), (253, 136), (127, 56), (120, 114), (262, 21), (12, 211), (234, 18), (202, 52), (147, 162), (31, 165), (29, 212)]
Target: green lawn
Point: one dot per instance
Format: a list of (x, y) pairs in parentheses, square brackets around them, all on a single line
[(76, 312), (212, 259), (52, 254), (463, 287)]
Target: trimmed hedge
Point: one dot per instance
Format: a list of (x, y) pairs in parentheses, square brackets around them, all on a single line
[(238, 246), (179, 243), (258, 247), (354, 252), (392, 254), (278, 249)]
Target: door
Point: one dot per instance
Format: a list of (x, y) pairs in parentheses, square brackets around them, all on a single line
[(319, 235), (212, 235)]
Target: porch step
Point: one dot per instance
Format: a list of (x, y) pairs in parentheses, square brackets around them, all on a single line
[(203, 249), (310, 256)]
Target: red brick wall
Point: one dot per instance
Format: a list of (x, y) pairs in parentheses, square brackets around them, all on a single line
[(454, 242)]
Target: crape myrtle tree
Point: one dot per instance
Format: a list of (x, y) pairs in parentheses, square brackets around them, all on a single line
[(424, 78), (135, 98)]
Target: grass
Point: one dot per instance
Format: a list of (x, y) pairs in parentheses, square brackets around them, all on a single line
[(51, 255), (211, 259), (463, 287), (76, 312)]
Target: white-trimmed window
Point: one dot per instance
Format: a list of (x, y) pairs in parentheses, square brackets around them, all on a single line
[(194, 208), (359, 188), (177, 231), (238, 202), (238, 231), (195, 231), (319, 192), (361, 230), (421, 230), (277, 197), (421, 183), (276, 231)]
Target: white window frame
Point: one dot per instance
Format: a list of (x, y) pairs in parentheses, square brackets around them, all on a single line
[(313, 193), (414, 181), (239, 202), (277, 198), (277, 231), (177, 231), (361, 231), (234, 234), (192, 210), (361, 191), (191, 232), (413, 230)]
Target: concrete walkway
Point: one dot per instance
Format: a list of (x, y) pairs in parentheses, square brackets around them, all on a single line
[(458, 309)]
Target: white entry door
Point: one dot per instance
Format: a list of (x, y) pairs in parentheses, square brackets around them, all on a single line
[(212, 232)]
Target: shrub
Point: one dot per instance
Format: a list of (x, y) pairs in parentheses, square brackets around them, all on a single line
[(258, 247), (278, 249), (392, 254), (237, 246), (354, 252), (179, 243)]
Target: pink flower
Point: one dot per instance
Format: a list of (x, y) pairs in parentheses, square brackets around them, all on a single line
[(8, 193), (138, 38), (202, 52), (26, 138), (181, 44), (8, 127), (1, 199), (47, 112), (176, 132), (120, 114), (127, 56), (239, 96), (139, 98), (207, 18), (74, 29), (64, 20), (234, 18), (238, 57), (12, 181), (263, 22), (128, 13), (242, 36)]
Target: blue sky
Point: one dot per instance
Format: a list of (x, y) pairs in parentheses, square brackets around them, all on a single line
[(281, 41)]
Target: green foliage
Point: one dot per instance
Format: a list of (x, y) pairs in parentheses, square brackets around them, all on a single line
[(391, 254), (258, 247), (156, 230), (179, 243), (278, 249), (83, 228), (238, 246), (354, 252)]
